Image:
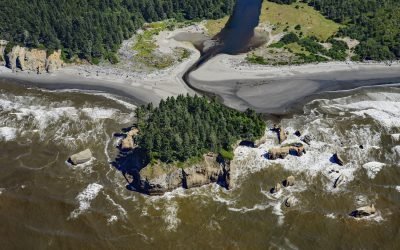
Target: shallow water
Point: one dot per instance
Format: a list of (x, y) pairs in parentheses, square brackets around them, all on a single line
[(46, 203)]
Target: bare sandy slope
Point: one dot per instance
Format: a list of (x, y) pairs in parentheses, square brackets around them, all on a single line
[(277, 89)]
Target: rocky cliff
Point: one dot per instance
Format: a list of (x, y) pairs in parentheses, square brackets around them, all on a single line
[(3, 45), (156, 180), (36, 60)]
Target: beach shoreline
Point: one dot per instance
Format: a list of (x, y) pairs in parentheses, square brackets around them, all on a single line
[(239, 85)]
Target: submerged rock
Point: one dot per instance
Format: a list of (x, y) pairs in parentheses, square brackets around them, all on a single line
[(339, 181), (364, 211), (289, 181), (337, 159), (307, 139), (81, 157), (291, 201)]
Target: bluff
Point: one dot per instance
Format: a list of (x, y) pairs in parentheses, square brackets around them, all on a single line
[(159, 179), (36, 60)]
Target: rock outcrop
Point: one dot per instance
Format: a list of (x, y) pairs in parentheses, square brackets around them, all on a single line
[(291, 201), (35, 60), (363, 211), (3, 45), (81, 157), (282, 136), (296, 149), (289, 181), (128, 142), (276, 189), (337, 159), (157, 180)]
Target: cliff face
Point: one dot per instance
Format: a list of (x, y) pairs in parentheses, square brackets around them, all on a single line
[(156, 180), (3, 45), (33, 60)]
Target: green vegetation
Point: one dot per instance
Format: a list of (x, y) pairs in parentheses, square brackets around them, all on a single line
[(185, 128), (375, 23), (94, 29), (308, 21), (146, 46)]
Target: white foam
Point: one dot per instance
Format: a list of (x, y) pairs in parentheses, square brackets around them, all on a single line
[(85, 198), (398, 188), (373, 168), (396, 137), (120, 209), (112, 219), (170, 216), (331, 216), (99, 113), (8, 133)]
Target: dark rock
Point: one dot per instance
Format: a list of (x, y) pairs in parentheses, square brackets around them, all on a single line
[(337, 159), (363, 211), (297, 133)]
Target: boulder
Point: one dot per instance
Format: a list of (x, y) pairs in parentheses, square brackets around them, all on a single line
[(297, 133), (296, 149), (276, 189), (81, 157), (289, 181), (339, 181), (128, 142), (337, 159), (364, 211), (291, 201)]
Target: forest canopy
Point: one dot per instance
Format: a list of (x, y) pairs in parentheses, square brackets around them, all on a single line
[(187, 127), (93, 28)]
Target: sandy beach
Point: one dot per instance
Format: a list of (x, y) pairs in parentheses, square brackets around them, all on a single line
[(274, 89), (141, 87), (267, 89)]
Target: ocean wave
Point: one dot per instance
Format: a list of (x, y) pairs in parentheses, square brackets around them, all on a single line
[(170, 216), (8, 133), (85, 198), (373, 168)]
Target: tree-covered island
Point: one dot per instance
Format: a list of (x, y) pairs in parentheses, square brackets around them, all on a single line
[(187, 127)]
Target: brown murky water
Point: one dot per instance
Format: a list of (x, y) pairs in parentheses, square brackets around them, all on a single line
[(46, 203)]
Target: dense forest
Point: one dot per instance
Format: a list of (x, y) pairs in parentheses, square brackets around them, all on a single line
[(186, 127), (93, 28), (375, 23)]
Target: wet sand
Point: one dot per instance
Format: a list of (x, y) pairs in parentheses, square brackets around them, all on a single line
[(280, 90)]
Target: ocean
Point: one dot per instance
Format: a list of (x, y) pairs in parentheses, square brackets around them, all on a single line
[(47, 203)]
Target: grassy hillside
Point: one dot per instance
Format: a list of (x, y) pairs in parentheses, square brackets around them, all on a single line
[(286, 17)]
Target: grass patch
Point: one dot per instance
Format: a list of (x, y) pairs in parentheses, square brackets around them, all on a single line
[(303, 19), (215, 26), (227, 155)]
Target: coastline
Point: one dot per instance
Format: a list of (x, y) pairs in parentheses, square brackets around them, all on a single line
[(279, 89), (274, 90)]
